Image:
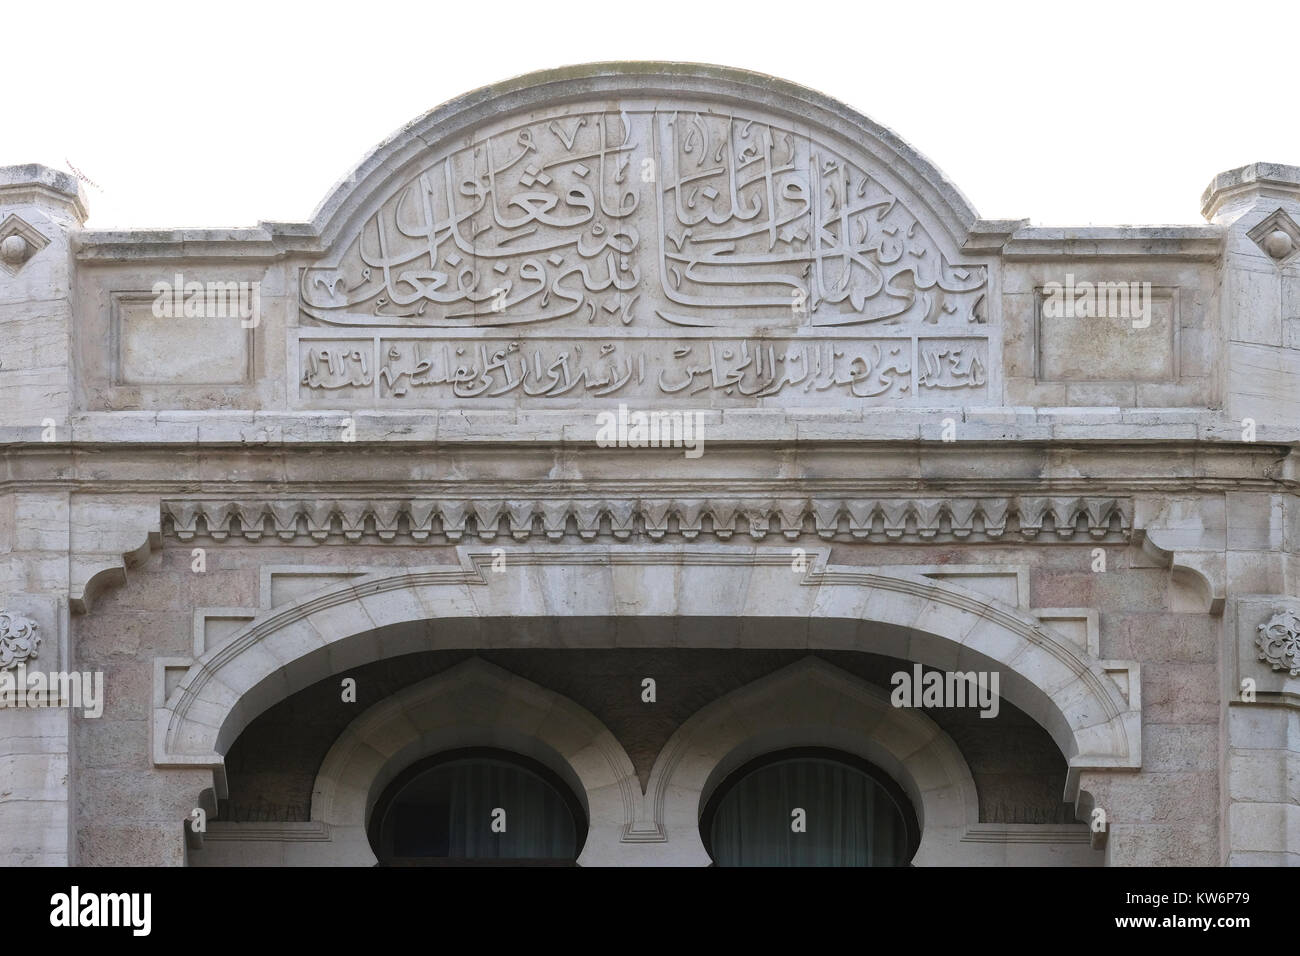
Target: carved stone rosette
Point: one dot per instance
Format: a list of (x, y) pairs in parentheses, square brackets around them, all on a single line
[(18, 639), (1279, 642)]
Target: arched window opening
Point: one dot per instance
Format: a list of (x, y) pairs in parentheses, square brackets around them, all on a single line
[(478, 807), (809, 807)]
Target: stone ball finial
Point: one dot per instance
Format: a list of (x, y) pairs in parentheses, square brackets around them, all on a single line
[(1278, 244), (14, 249)]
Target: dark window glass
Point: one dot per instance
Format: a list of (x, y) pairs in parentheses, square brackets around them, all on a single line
[(443, 810), (853, 814)]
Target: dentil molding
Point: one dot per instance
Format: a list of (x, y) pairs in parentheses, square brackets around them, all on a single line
[(486, 519)]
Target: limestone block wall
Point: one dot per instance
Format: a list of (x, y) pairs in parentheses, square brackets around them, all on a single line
[(41, 210), (1259, 300)]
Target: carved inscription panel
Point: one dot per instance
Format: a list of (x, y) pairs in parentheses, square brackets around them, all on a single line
[(727, 369), (583, 252)]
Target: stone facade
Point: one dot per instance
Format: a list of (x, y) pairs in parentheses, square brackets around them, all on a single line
[(409, 443)]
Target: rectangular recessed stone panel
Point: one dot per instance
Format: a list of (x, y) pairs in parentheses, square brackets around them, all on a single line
[(1127, 332), (1006, 586), (284, 586), (177, 350)]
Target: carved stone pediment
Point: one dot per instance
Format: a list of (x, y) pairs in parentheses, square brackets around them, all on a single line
[(652, 215), (721, 242)]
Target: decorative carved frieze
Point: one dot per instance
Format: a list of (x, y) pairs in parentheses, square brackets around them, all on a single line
[(887, 519), (1279, 642), (19, 641)]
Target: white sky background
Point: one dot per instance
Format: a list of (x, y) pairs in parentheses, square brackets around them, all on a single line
[(234, 112)]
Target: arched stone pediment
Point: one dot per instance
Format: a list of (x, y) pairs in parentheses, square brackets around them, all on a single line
[(644, 232)]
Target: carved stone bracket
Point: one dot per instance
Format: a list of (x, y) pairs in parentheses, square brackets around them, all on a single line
[(1279, 642), (1178, 535), (110, 533), (898, 519), (19, 641)]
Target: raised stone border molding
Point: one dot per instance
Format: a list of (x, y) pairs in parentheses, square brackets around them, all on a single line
[(557, 518)]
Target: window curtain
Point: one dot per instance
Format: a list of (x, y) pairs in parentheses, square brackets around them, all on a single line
[(850, 819), (448, 812)]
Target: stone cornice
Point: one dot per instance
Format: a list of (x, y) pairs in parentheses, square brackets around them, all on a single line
[(35, 183), (1192, 243), (503, 469), (1013, 240), (1277, 181), (1141, 427)]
